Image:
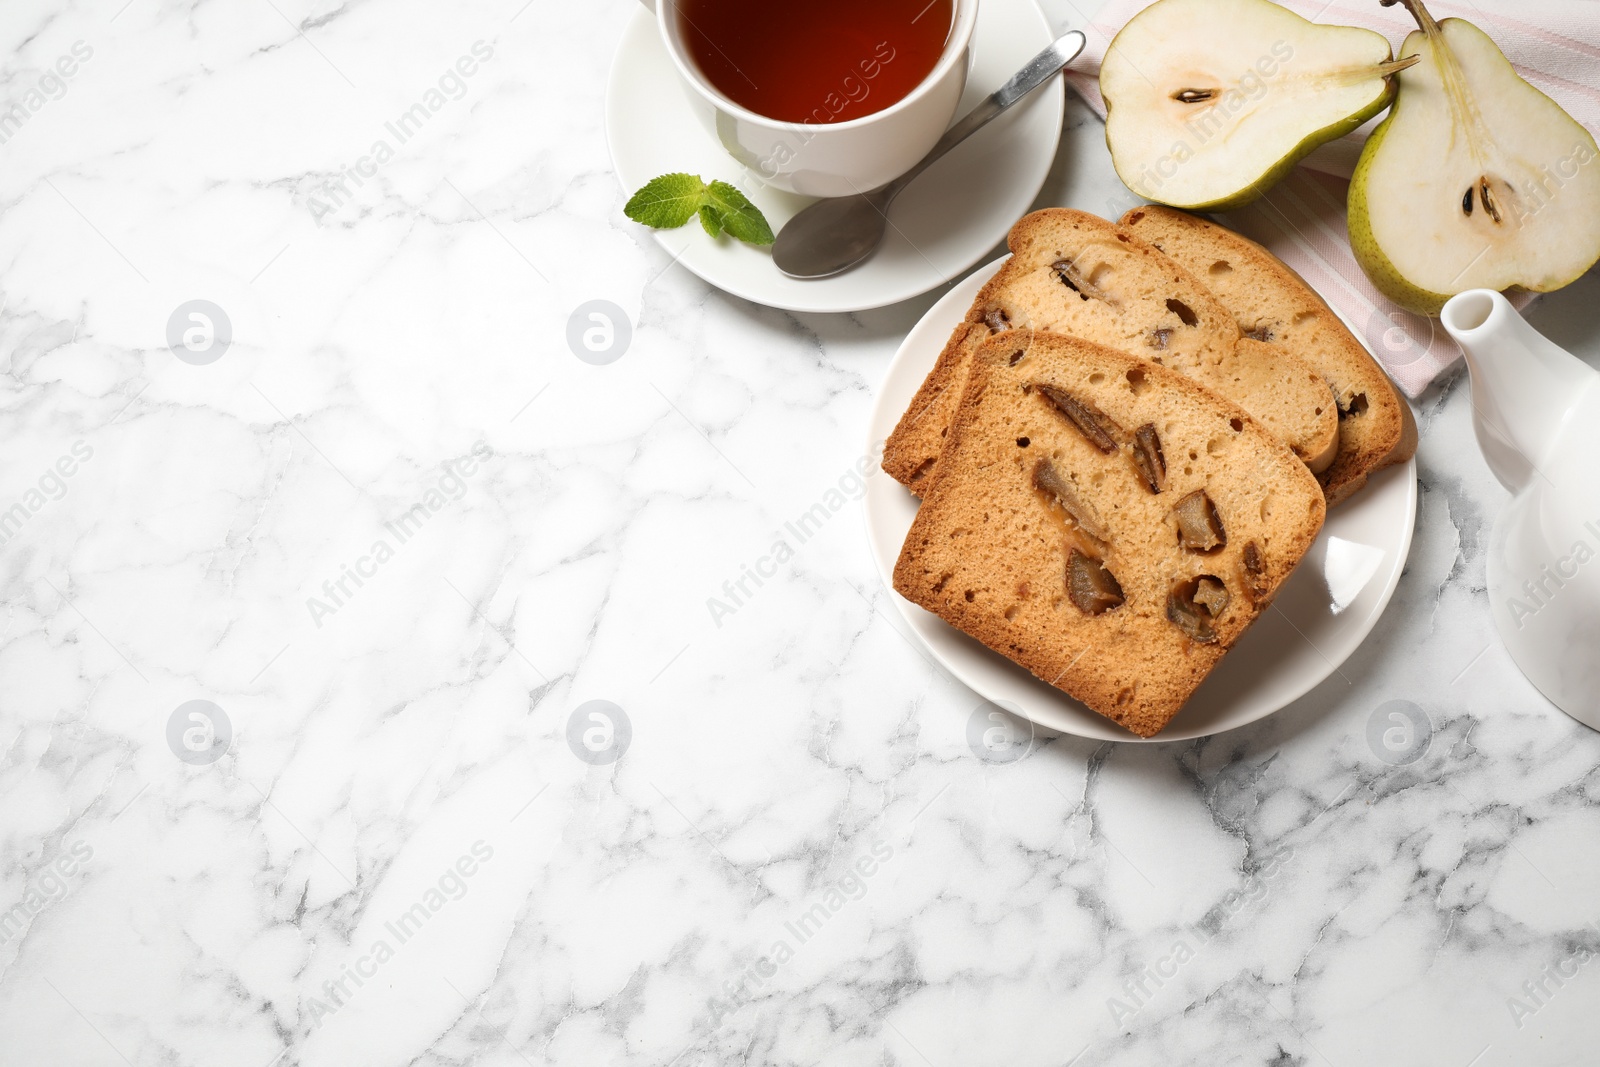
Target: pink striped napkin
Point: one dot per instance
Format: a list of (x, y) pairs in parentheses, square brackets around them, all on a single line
[(1554, 44)]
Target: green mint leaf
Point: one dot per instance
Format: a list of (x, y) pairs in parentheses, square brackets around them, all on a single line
[(711, 220), (739, 216), (671, 200), (667, 202)]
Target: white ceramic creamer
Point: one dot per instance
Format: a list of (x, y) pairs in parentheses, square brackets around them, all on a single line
[(1537, 419)]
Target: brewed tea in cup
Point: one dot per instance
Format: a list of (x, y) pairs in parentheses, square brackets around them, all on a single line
[(824, 61), (824, 98)]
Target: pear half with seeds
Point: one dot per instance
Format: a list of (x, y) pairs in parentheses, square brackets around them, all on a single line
[(1210, 102), (1475, 180)]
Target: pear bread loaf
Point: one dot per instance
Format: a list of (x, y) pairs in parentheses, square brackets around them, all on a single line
[(1105, 522), (1274, 305), (1077, 274)]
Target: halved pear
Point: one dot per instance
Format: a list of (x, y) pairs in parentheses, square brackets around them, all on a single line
[(1476, 180), (1210, 102)]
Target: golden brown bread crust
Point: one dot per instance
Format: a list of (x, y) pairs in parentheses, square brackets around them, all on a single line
[(988, 551), (1271, 301), (1076, 273), (910, 452)]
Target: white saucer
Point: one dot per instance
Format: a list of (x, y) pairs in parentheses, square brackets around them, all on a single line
[(946, 221), (1295, 646)]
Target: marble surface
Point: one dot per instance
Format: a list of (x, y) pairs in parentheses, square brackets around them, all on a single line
[(397, 539)]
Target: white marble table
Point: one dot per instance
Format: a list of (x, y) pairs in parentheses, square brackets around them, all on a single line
[(401, 537)]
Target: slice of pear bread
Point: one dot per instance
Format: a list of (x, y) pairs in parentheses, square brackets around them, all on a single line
[(1273, 304), (1075, 273), (1107, 523)]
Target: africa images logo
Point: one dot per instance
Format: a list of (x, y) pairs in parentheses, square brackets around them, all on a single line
[(751, 982), (1542, 588), (450, 487), (452, 884), (51, 485), (452, 84)]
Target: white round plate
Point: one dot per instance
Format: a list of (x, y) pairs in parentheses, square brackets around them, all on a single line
[(945, 221), (1325, 610)]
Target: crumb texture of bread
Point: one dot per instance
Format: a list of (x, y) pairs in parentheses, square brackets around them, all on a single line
[(1274, 305), (1107, 524), (1078, 274)]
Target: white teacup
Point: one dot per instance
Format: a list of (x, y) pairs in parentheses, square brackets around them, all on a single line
[(830, 158)]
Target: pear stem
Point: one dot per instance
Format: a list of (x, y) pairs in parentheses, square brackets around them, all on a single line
[(1395, 66), (1418, 12), (1465, 109)]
